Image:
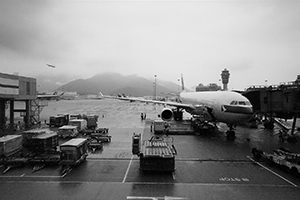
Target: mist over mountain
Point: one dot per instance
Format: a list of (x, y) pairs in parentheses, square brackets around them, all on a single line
[(114, 83)]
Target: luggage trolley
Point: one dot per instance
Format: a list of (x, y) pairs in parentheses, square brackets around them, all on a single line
[(73, 152)]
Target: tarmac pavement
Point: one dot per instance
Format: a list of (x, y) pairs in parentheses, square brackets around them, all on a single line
[(207, 167)]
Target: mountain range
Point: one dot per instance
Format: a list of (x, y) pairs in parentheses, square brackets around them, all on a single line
[(114, 83)]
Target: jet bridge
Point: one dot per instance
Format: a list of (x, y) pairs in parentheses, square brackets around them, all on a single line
[(280, 101)]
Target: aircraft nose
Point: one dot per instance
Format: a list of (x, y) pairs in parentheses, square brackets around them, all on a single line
[(238, 109), (248, 111)]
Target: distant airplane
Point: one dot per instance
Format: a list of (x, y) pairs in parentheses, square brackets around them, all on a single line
[(54, 96), (213, 106), (50, 65)]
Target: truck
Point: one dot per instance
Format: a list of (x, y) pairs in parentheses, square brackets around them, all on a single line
[(156, 154), (281, 157), (68, 131)]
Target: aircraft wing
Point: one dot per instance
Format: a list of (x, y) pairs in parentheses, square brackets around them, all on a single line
[(165, 103), (49, 96)]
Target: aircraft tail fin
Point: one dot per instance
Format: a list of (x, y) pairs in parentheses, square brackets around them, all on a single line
[(182, 84)]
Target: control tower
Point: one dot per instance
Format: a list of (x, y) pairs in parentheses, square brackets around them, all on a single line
[(225, 79)]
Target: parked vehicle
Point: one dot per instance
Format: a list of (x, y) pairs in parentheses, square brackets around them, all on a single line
[(80, 123), (68, 131), (281, 157), (73, 152)]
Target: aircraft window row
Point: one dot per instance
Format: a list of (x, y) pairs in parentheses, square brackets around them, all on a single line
[(240, 103)]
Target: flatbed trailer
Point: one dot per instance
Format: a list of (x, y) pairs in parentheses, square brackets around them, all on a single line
[(94, 144), (46, 159), (156, 154), (14, 162), (172, 127), (100, 134), (103, 131), (281, 157)]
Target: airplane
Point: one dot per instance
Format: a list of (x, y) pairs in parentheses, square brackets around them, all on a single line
[(228, 107), (54, 96)]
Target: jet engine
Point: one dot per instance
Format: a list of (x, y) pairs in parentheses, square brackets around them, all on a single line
[(166, 114)]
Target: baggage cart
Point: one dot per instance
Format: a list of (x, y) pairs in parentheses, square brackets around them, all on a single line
[(27, 135), (44, 142), (73, 152), (59, 120), (156, 154), (68, 131), (280, 157), (10, 144), (80, 123)]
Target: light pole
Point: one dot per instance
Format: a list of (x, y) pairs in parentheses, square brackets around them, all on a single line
[(155, 86), (178, 86)]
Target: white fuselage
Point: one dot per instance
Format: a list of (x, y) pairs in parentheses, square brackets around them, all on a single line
[(226, 106)]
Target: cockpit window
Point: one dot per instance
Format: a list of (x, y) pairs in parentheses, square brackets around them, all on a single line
[(240, 103), (248, 103), (233, 103)]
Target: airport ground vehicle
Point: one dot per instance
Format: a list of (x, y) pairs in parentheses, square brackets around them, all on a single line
[(94, 144), (43, 143), (67, 131), (80, 123), (39, 148), (99, 134), (156, 154), (172, 127), (59, 120), (73, 152), (281, 157), (10, 144), (33, 133), (92, 121)]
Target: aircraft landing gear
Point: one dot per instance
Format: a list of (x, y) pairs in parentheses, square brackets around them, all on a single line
[(230, 134)]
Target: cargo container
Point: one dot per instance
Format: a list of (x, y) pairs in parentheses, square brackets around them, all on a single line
[(67, 131), (10, 144), (156, 154), (73, 152), (92, 121), (172, 127), (59, 120), (44, 142), (27, 135), (80, 123)]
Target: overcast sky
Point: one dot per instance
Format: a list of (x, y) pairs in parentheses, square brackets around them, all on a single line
[(255, 40)]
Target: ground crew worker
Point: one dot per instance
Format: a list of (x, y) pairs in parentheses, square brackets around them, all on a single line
[(151, 126), (167, 128)]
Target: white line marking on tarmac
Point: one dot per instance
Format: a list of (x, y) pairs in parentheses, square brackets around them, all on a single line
[(293, 184), (29, 176), (124, 179)]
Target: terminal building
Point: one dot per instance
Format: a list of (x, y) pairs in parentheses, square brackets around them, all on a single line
[(15, 88)]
